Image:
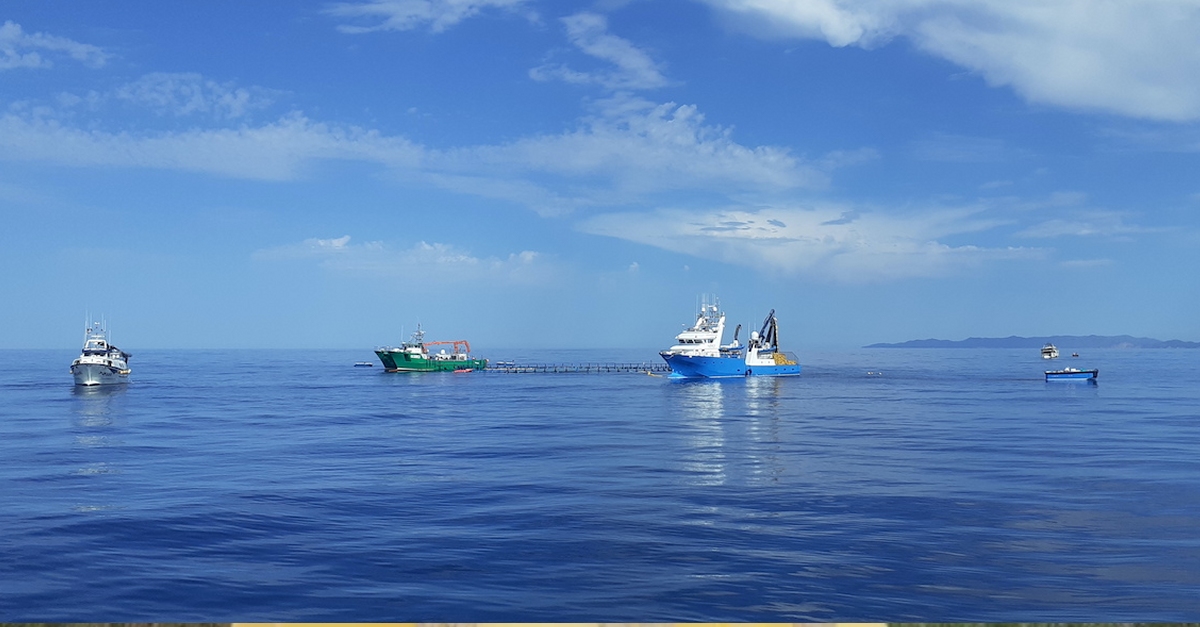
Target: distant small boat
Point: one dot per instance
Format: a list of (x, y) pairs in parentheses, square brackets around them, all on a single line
[(363, 364), (1071, 373), (1074, 354), (1049, 351)]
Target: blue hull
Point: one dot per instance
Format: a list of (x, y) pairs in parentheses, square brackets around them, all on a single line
[(683, 366)]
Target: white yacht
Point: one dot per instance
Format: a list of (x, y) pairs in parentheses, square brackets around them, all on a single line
[(100, 363), (1049, 351)]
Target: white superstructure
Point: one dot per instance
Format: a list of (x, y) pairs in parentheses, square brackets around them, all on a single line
[(703, 339), (100, 363)]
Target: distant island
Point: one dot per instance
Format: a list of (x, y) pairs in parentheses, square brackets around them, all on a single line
[(1070, 342)]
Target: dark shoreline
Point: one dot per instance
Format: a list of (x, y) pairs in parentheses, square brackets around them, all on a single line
[(1062, 341)]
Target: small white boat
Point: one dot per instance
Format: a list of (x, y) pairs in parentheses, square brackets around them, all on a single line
[(1049, 351), (100, 363)]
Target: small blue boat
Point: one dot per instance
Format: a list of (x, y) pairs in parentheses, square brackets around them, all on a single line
[(698, 352), (1072, 374)]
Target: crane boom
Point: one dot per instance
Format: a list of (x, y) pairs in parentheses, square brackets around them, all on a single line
[(457, 343)]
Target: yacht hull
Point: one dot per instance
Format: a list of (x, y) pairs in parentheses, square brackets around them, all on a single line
[(98, 374)]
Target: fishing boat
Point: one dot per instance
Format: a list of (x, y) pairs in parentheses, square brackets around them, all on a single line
[(1049, 351), (100, 363), (1068, 374), (414, 356), (698, 352)]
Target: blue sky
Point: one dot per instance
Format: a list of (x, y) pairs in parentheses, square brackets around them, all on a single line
[(576, 174)]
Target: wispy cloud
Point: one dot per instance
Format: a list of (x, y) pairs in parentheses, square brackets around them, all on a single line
[(19, 49), (632, 148), (1132, 58), (831, 243), (633, 68), (423, 263), (1086, 264), (186, 94), (314, 248), (275, 151), (628, 150), (959, 149), (1085, 223), (402, 15)]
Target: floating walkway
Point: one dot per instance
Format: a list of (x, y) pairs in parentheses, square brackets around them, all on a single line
[(516, 368)]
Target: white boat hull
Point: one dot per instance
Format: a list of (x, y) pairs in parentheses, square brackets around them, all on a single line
[(98, 374)]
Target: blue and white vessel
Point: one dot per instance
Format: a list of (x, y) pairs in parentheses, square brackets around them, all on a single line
[(698, 352), (1072, 374)]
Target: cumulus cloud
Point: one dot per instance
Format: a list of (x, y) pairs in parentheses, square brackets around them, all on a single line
[(424, 263), (1137, 59), (19, 49), (634, 68), (402, 15), (832, 243)]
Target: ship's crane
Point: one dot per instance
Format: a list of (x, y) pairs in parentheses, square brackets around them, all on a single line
[(460, 346), (768, 337)]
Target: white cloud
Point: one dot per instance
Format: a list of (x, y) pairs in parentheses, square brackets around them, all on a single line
[(276, 151), (184, 94), (832, 243), (633, 148), (635, 69), (1085, 223), (627, 151), (1086, 264), (1137, 59), (19, 49), (423, 263), (402, 15), (312, 248), (950, 148)]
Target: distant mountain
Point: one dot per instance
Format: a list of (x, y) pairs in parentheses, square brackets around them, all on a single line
[(1063, 342)]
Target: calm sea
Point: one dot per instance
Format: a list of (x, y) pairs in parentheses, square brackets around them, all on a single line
[(955, 485)]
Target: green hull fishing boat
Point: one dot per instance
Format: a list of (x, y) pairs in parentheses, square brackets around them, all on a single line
[(414, 356)]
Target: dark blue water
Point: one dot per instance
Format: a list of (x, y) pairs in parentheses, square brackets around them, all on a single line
[(957, 485)]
